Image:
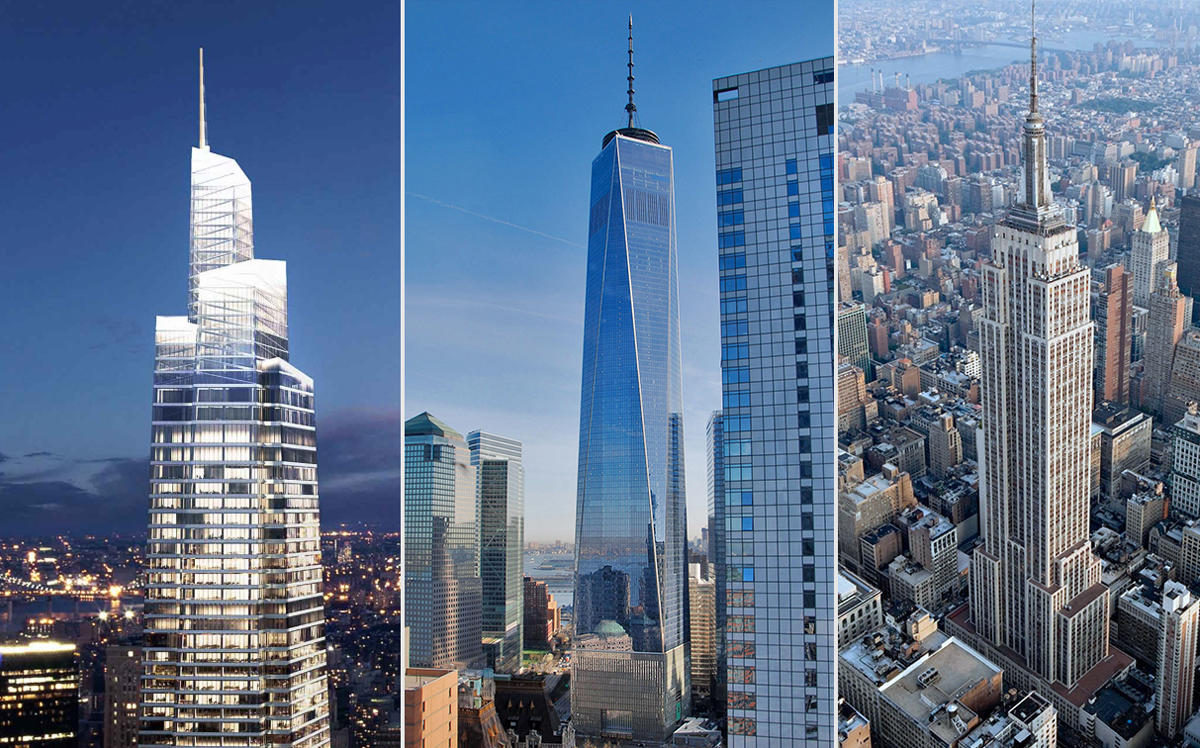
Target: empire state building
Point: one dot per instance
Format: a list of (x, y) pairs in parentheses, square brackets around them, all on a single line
[(1037, 604)]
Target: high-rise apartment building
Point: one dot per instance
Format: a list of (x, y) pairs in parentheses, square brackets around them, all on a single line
[(500, 486), (1112, 312), (1188, 252), (1037, 603), (122, 687), (852, 336), (234, 610), (1185, 465), (629, 676), (776, 239), (1149, 255), (1176, 673), (39, 695), (443, 606)]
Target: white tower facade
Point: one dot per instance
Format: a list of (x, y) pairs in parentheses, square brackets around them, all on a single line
[(234, 649), (1148, 257)]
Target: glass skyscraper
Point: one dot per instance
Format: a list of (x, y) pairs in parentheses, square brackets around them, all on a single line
[(714, 442), (500, 481), (234, 636), (775, 226), (630, 671), (442, 594)]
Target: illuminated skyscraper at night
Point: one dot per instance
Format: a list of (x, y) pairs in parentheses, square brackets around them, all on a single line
[(234, 635), (630, 671), (774, 133)]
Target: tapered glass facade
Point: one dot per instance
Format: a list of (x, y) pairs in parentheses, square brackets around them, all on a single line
[(630, 674), (775, 234), (234, 615)]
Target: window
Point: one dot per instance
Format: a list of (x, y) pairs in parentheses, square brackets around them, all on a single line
[(791, 166), (733, 261), (731, 218), (824, 76), (729, 197), (729, 176), (824, 119), (793, 210), (732, 239), (793, 188), (747, 525), (726, 94)]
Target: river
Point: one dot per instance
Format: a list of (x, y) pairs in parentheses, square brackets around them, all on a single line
[(930, 67)]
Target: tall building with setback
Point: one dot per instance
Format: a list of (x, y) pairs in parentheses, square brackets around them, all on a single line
[(1112, 311), (1036, 595), (852, 336), (629, 678), (1164, 329), (500, 482), (1188, 252), (122, 682), (234, 610), (39, 695), (776, 239), (1148, 257), (443, 606)]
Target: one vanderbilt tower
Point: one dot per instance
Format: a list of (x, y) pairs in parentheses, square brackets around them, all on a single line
[(234, 640), (1037, 602)]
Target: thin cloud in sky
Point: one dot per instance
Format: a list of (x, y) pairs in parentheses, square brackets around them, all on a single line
[(500, 221)]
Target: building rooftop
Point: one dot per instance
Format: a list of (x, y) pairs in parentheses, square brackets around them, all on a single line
[(928, 691)]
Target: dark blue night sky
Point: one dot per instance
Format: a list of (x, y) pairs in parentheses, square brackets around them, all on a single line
[(100, 108)]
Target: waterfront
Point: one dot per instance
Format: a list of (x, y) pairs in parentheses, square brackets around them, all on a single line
[(930, 67), (556, 569)]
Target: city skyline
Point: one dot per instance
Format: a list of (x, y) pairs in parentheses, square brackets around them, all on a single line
[(529, 325), (97, 217)]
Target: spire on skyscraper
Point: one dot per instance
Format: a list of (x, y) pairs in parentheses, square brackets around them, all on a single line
[(203, 123), (1036, 203), (1033, 57), (630, 108)]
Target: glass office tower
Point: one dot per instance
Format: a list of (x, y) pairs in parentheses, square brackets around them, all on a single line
[(234, 635), (500, 481), (775, 226), (442, 597), (630, 676)]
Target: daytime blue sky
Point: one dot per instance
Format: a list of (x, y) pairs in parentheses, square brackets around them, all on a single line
[(506, 105)]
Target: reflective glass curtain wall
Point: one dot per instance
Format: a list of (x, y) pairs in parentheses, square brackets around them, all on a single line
[(775, 229), (630, 675), (234, 635), (442, 606), (501, 491)]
